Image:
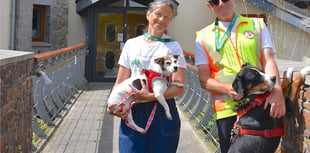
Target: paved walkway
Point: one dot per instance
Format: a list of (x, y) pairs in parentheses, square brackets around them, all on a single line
[(87, 128)]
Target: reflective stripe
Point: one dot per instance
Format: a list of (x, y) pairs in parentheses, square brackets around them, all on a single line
[(224, 114), (219, 106)]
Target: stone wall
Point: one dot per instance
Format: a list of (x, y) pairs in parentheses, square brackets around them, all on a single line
[(16, 101), (56, 25)]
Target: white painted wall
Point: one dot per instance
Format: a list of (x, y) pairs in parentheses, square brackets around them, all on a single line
[(5, 22), (76, 26), (193, 15)]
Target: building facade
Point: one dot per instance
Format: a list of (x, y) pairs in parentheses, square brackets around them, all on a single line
[(105, 25)]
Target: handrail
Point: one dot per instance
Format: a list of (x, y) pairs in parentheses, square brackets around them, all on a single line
[(58, 82), (197, 104), (51, 54)]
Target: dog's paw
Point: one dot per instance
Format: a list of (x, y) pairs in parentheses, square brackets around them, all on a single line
[(139, 129), (169, 117)]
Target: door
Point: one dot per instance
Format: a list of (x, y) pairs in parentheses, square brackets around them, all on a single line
[(110, 40)]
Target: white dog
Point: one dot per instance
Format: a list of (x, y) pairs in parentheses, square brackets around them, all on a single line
[(160, 73)]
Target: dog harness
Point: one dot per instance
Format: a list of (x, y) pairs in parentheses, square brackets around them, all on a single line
[(266, 133), (150, 76)]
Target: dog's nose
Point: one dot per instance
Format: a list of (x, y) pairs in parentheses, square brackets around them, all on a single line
[(175, 68)]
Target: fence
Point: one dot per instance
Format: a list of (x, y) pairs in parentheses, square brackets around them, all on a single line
[(57, 82), (196, 103)]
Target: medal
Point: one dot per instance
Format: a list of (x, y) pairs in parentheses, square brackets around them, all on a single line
[(216, 56)]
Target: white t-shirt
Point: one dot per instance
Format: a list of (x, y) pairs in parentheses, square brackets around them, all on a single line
[(138, 54), (201, 56)]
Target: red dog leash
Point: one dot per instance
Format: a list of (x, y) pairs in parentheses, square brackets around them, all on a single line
[(128, 97), (267, 133), (150, 76)]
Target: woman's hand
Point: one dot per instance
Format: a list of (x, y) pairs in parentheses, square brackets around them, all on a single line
[(118, 112), (142, 95)]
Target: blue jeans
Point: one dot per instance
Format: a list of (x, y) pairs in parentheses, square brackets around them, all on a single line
[(162, 136)]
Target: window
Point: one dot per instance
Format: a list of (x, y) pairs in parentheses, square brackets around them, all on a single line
[(38, 23), (110, 33), (140, 29), (264, 16)]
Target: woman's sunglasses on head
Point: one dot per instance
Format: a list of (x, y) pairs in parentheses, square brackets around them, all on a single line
[(216, 2)]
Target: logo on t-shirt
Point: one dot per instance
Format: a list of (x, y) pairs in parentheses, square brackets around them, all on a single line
[(135, 62)]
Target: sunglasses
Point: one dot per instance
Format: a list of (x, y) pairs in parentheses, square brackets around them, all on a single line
[(216, 2)]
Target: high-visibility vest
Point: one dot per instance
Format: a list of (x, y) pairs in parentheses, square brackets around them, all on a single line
[(248, 50)]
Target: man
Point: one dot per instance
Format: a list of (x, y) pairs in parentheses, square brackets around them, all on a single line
[(221, 49)]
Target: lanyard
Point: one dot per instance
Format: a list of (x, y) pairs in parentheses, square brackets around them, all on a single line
[(157, 38), (219, 45)]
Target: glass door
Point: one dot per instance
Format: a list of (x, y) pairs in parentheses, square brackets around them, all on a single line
[(110, 36), (109, 41)]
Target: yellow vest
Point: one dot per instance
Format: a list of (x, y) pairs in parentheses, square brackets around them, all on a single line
[(247, 50)]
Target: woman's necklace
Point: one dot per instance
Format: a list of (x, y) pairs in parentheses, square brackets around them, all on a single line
[(154, 38)]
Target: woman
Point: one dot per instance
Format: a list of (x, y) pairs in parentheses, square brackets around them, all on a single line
[(138, 53)]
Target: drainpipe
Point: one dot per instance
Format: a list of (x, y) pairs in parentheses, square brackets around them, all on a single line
[(12, 31)]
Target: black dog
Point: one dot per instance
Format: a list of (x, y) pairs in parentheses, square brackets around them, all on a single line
[(255, 131)]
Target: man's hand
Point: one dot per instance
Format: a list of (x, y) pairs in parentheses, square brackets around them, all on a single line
[(234, 95), (117, 112), (277, 103)]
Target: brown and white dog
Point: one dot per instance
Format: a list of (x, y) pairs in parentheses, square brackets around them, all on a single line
[(255, 131), (157, 80)]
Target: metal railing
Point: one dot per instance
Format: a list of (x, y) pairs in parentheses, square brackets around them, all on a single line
[(196, 102), (58, 81)]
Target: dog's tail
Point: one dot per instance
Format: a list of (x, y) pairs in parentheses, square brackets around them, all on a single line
[(305, 71), (294, 94), (289, 73), (287, 79)]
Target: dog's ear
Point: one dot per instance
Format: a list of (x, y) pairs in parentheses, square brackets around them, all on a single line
[(159, 61), (237, 85)]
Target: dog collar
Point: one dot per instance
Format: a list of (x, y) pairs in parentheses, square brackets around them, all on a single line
[(256, 102)]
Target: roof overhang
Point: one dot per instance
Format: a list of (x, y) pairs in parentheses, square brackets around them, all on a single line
[(83, 4)]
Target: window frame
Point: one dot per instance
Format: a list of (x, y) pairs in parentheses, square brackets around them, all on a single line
[(263, 15), (41, 9)]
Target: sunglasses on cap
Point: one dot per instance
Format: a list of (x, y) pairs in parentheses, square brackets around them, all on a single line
[(216, 2)]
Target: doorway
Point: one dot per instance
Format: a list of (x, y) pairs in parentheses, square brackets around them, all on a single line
[(111, 37)]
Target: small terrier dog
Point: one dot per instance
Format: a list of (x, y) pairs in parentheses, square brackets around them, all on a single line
[(156, 79)]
